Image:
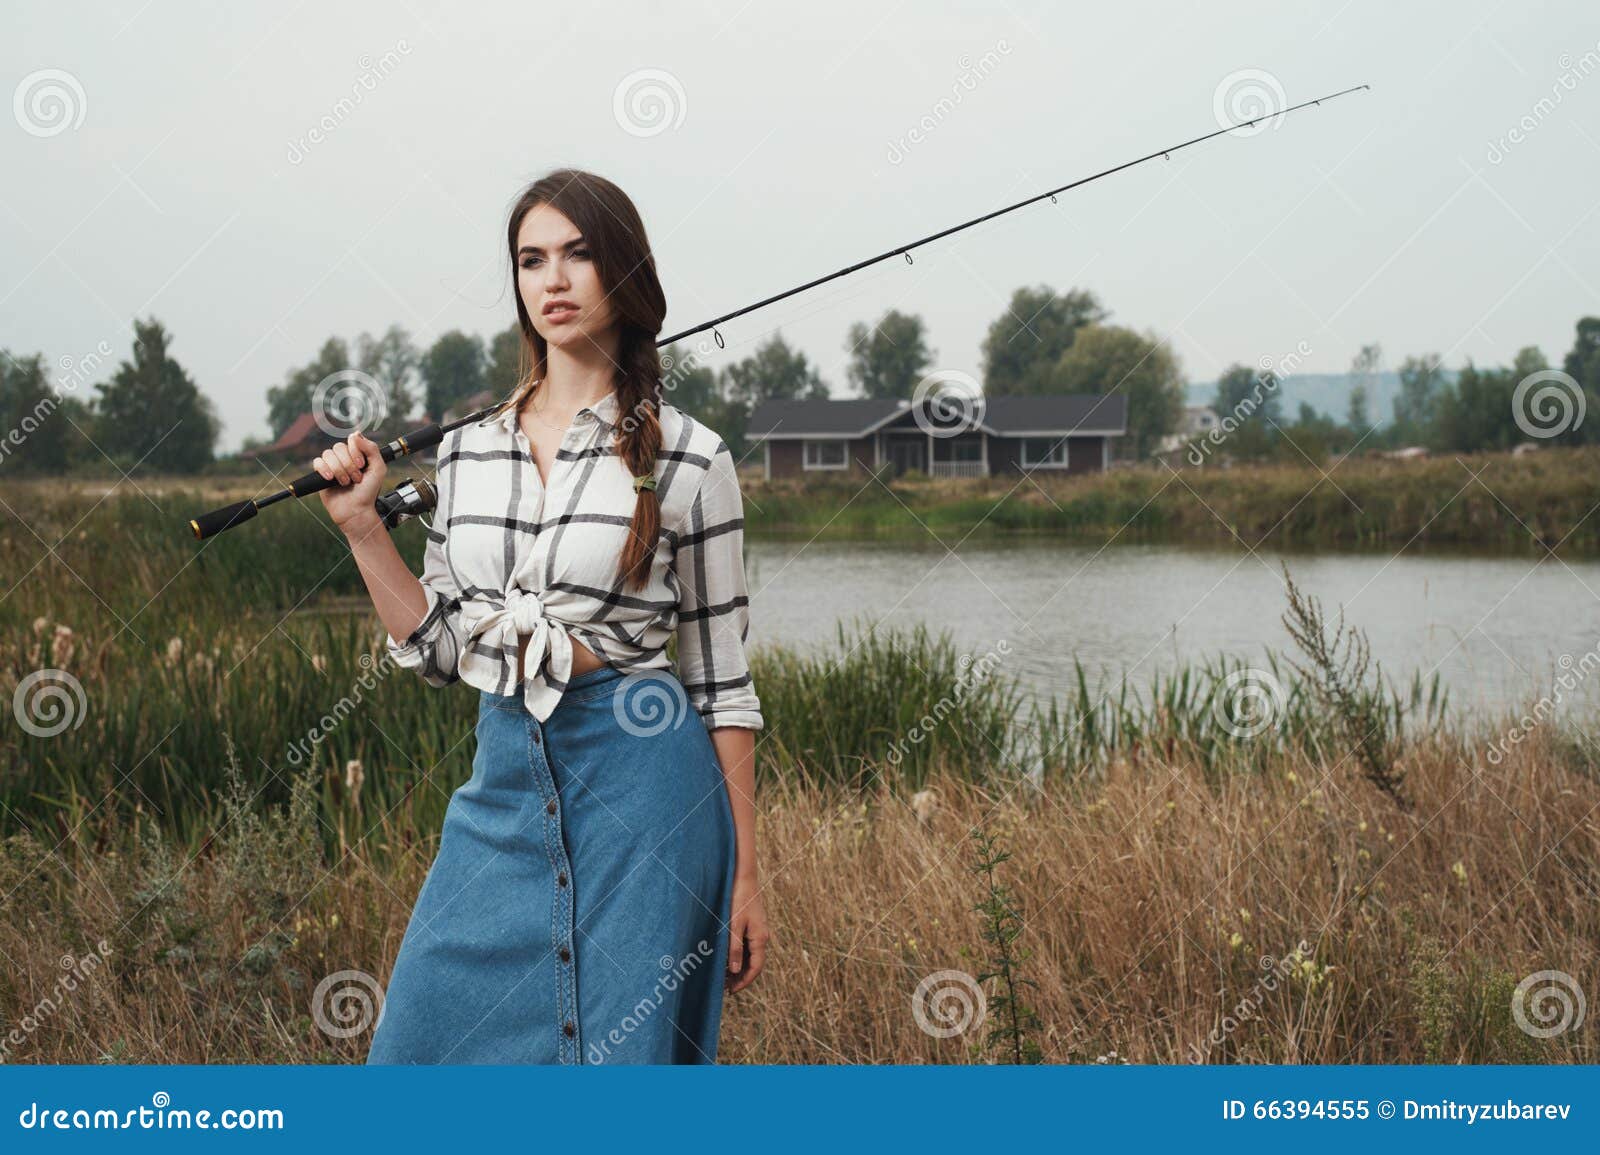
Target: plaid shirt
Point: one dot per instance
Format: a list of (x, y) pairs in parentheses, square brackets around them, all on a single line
[(501, 560)]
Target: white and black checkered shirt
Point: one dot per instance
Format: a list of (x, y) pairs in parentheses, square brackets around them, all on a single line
[(504, 558)]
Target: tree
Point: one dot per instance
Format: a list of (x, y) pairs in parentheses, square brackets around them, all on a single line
[(1364, 374), (1024, 346), (1582, 364), (1249, 410), (504, 371), (151, 415), (452, 370), (392, 361), (35, 438), (774, 372), (1479, 413), (1111, 359), (287, 401), (1416, 406), (890, 358)]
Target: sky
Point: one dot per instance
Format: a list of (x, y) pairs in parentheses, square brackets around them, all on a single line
[(260, 177)]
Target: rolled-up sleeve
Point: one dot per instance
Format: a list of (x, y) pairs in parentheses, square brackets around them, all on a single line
[(714, 603), (434, 647)]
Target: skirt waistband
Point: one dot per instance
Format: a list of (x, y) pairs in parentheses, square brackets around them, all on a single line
[(597, 676)]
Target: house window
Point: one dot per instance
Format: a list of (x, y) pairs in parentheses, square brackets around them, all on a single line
[(825, 455), (1044, 453)]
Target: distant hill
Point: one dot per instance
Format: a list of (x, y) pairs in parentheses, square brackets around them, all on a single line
[(1328, 393)]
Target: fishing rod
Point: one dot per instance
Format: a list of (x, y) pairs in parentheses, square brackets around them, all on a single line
[(210, 524)]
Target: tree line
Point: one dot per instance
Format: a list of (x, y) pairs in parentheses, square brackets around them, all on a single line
[(150, 416)]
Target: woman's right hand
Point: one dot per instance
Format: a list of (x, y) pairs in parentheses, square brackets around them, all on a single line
[(359, 468)]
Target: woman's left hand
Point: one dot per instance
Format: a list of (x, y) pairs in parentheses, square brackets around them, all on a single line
[(747, 936)]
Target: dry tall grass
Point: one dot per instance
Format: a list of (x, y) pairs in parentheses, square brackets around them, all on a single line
[(1149, 900)]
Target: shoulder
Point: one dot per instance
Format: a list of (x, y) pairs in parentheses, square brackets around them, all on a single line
[(691, 442)]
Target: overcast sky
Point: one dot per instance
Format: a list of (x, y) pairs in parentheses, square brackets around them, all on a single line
[(1445, 210)]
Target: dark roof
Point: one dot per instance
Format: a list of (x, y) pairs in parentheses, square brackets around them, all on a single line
[(1006, 416)]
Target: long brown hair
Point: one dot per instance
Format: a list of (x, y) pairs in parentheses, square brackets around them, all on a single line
[(615, 235)]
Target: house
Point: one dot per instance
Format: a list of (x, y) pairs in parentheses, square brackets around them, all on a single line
[(968, 437), (306, 438), (1197, 421)]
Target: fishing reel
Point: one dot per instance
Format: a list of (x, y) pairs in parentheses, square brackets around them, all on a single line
[(412, 498)]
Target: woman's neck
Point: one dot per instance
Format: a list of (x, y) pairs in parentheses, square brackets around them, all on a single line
[(575, 378)]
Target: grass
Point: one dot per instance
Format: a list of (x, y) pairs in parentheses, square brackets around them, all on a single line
[(1292, 860)]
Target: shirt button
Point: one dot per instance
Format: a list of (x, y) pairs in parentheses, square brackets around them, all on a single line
[(550, 806), (569, 1029), (561, 879), (566, 954)]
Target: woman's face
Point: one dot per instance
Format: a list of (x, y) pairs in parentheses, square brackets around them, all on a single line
[(554, 264)]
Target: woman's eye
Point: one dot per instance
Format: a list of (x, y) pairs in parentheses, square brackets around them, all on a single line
[(529, 262)]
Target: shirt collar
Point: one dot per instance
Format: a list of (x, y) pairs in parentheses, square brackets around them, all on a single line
[(605, 411)]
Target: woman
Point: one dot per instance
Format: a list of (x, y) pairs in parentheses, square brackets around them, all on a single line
[(595, 887)]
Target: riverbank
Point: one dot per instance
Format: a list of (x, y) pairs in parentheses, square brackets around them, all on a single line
[(1494, 500)]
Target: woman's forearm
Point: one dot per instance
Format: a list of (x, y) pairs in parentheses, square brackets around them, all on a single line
[(397, 593), (736, 751)]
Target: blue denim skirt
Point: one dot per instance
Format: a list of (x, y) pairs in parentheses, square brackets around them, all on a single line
[(577, 910)]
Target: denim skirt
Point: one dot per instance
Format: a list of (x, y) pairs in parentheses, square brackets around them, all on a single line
[(577, 910)]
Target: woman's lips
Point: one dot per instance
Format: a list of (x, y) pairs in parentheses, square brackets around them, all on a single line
[(561, 315)]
